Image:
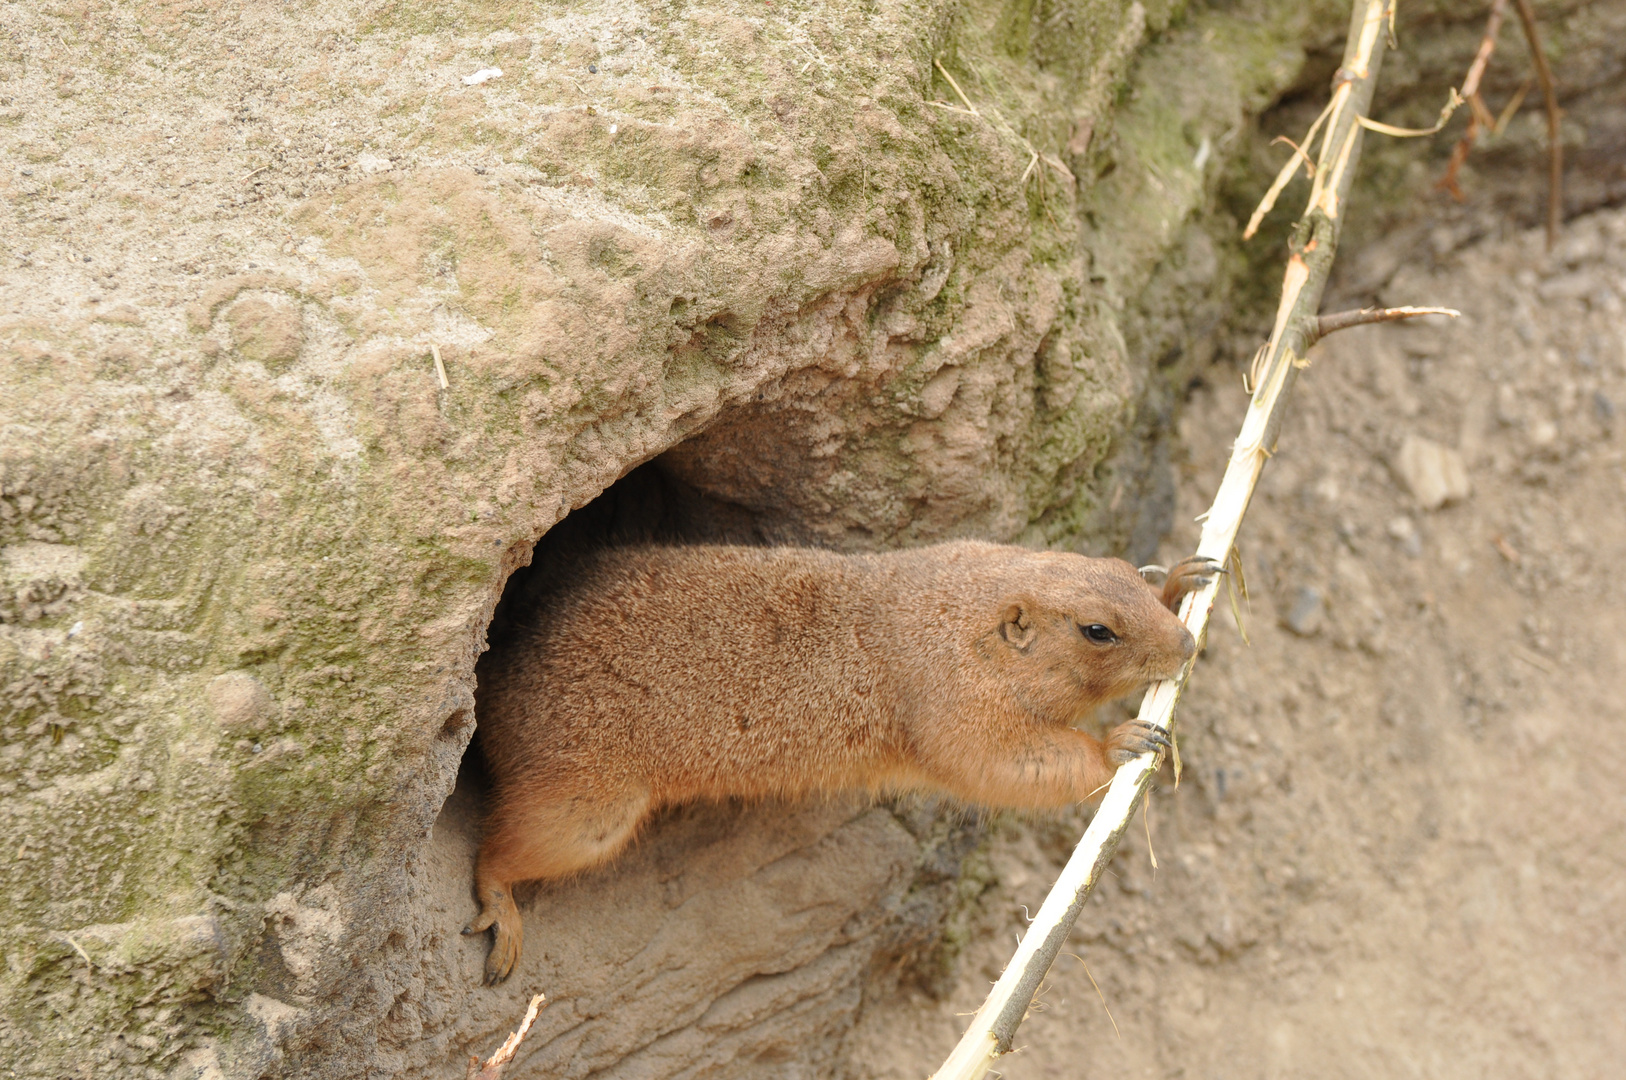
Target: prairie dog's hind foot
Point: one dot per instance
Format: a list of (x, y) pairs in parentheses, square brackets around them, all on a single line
[(544, 841), (499, 914), (1130, 740)]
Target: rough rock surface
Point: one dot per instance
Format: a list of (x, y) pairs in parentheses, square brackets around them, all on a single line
[(252, 544)]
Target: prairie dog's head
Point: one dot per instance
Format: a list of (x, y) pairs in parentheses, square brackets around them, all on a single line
[(1072, 632)]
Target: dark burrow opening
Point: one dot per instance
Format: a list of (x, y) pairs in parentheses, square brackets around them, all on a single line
[(647, 505)]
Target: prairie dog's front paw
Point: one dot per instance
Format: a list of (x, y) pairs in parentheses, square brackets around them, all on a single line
[(1130, 740), (1187, 576)]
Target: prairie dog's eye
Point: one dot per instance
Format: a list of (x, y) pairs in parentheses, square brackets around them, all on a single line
[(1097, 633)]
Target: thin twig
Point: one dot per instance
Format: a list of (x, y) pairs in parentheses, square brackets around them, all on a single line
[(957, 89), (1309, 166), (1311, 249), (440, 368), (1505, 117), (1098, 994), (1470, 90), (1555, 148), (1236, 591), (1055, 163), (1534, 661), (492, 1069), (1452, 104), (1343, 320), (1285, 176), (1487, 46), (80, 950), (996, 120), (1146, 820)]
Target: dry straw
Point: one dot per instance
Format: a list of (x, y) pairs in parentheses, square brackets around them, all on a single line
[(1311, 248), (440, 367)]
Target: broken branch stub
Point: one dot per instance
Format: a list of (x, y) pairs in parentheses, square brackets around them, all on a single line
[(1343, 320), (1311, 249), (492, 1067)]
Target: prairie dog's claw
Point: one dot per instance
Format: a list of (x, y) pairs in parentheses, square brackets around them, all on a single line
[(503, 957), (482, 922), (499, 915), (1187, 576), (1199, 564)]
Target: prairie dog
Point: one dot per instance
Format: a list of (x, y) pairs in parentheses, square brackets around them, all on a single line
[(660, 675)]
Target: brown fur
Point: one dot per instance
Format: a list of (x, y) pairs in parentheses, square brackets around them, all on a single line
[(667, 674)]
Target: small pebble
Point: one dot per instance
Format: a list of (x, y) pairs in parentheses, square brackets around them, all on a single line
[(1580, 285), (1404, 531), (1435, 474), (1308, 612)]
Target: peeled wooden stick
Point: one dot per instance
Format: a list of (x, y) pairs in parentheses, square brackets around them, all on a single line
[(1311, 250), (491, 1068)]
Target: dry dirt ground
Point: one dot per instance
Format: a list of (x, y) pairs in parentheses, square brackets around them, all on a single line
[(1398, 847)]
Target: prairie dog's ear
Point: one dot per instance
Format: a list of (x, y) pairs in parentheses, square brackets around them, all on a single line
[(1016, 622)]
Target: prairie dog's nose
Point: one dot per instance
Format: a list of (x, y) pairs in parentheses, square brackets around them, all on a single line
[(1188, 644)]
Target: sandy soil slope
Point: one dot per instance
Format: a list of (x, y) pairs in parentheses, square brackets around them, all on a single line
[(1399, 847)]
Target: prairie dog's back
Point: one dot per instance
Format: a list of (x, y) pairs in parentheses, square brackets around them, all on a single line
[(702, 666)]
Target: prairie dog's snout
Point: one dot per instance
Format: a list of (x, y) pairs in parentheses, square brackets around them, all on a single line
[(1187, 645)]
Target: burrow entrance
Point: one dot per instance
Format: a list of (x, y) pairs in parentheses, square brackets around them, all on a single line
[(647, 505)]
